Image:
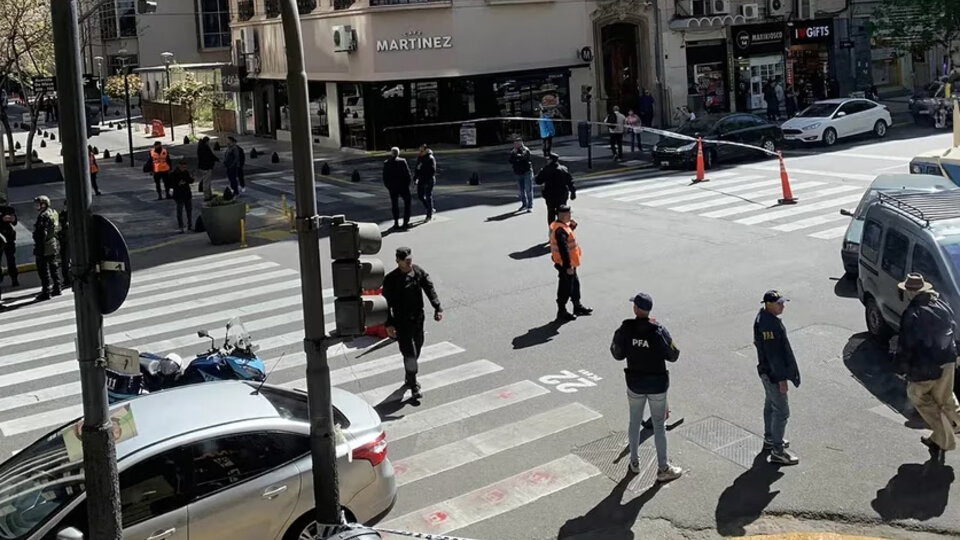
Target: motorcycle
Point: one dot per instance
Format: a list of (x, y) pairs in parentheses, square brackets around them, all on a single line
[(235, 359)]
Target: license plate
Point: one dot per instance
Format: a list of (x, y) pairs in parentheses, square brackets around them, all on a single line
[(664, 163)]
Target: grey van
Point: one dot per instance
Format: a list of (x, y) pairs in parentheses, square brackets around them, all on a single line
[(907, 232)]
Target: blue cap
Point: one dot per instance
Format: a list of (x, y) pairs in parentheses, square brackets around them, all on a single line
[(643, 301), (774, 297)]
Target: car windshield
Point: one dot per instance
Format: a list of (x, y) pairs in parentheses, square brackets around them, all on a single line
[(700, 125), (36, 484), (819, 110)]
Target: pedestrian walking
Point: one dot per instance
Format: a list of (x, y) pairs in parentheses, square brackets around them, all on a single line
[(557, 187), (565, 253), (241, 169), (776, 365), (8, 229), (547, 132), (94, 169), (781, 95), (206, 161), (523, 169), (46, 248), (404, 288), (770, 96), (633, 122), (396, 178), (791, 102), (183, 194), (647, 347), (63, 240), (927, 359), (426, 178), (160, 161), (646, 109), (231, 161), (618, 125)]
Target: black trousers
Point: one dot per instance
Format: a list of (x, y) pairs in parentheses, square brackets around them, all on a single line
[(568, 287), (395, 196), (48, 270), (547, 146), (65, 263), (188, 206), (552, 209), (93, 182), (163, 177), (10, 252), (616, 144), (410, 340)]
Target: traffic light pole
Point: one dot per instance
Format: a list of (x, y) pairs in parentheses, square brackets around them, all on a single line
[(99, 451), (322, 440), (590, 139)]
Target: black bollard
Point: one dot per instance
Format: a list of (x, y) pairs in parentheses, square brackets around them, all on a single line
[(110, 125), (17, 145), (325, 169), (119, 158), (216, 145), (355, 177), (96, 151), (43, 143), (35, 155), (475, 179), (186, 139), (275, 158), (44, 134), (254, 154), (53, 136), (116, 113), (106, 154)]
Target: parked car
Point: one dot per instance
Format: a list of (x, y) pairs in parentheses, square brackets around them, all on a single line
[(738, 128), (885, 183), (938, 162), (833, 119), (902, 233), (926, 102), (220, 460)]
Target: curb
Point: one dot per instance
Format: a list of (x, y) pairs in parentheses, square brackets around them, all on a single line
[(809, 536)]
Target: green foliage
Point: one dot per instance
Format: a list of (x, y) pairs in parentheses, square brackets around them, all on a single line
[(114, 87), (190, 93), (915, 26), (219, 200)]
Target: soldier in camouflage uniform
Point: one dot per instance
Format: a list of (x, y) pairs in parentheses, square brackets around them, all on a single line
[(46, 248)]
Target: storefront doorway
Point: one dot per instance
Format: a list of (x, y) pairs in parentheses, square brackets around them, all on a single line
[(621, 65), (758, 49), (809, 65), (707, 76)]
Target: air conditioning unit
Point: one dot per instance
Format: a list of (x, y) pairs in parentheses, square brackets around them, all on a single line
[(719, 7), (344, 39), (248, 41), (778, 8), (750, 11), (806, 9)]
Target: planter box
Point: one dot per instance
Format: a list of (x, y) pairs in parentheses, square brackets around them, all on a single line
[(223, 222)]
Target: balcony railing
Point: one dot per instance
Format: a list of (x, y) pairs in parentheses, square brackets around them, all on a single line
[(375, 3), (245, 10), (306, 6), (272, 7)]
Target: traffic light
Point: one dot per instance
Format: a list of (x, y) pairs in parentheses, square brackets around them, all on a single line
[(146, 6), (585, 93), (353, 274)]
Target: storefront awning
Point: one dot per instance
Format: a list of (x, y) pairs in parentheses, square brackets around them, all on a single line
[(706, 23)]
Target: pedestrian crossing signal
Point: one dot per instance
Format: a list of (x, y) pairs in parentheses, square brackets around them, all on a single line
[(353, 274)]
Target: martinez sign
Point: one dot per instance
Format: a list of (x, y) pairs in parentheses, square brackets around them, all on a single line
[(415, 41)]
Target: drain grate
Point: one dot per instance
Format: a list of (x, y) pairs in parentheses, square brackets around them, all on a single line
[(725, 439), (611, 456)]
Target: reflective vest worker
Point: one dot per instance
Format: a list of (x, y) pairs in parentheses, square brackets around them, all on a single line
[(160, 164), (94, 169), (161, 170), (566, 258)]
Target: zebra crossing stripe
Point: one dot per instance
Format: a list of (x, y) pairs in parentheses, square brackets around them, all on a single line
[(724, 199), (483, 445), (770, 203), (497, 498), (684, 189), (809, 222), (434, 380), (653, 184), (704, 192), (814, 172), (619, 181), (799, 209), (830, 234)]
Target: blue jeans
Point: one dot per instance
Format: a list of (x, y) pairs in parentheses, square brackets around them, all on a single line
[(658, 410), (233, 176), (525, 183), (776, 411), (425, 194)]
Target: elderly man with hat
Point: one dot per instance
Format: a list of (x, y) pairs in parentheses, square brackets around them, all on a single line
[(776, 365), (647, 347), (46, 247), (404, 288), (927, 359)]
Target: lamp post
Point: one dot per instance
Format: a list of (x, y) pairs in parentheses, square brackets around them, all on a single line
[(123, 59), (99, 60), (167, 60)]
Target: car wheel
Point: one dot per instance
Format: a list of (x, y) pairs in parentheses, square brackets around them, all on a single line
[(876, 325), (880, 129), (830, 137), (305, 527), (768, 145)]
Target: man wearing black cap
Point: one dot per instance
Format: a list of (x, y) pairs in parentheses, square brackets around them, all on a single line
[(8, 228), (647, 347), (404, 288), (557, 185), (776, 365), (565, 253)]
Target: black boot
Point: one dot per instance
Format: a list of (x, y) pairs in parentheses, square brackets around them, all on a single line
[(580, 310), (563, 315), (414, 387), (44, 295)]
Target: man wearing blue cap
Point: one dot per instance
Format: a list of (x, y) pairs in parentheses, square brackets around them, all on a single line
[(647, 347), (776, 365)]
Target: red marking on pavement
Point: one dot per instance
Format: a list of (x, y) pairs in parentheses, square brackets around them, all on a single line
[(504, 395), (399, 468), (538, 477), (436, 518), (494, 496)]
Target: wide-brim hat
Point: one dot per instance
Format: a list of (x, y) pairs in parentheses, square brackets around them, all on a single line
[(915, 283)]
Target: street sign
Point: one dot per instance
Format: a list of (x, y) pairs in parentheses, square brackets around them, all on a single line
[(123, 360), (44, 85), (113, 262)]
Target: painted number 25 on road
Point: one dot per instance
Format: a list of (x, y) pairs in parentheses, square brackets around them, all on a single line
[(569, 382)]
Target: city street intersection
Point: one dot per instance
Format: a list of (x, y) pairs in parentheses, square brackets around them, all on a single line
[(521, 432)]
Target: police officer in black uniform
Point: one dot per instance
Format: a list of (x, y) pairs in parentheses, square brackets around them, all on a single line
[(647, 347), (404, 288), (776, 365), (557, 187), (8, 224)]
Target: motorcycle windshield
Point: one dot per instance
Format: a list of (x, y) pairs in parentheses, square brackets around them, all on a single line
[(237, 335)]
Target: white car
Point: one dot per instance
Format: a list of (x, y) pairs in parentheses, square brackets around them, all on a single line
[(832, 119)]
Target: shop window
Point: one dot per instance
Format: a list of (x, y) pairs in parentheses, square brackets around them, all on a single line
[(529, 96), (118, 19), (319, 119), (424, 101), (353, 133)]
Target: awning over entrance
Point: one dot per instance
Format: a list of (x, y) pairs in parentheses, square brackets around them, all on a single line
[(706, 23)]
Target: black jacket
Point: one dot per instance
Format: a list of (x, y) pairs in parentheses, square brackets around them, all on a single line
[(557, 183), (206, 159), (562, 245), (8, 229), (648, 347), (396, 174), (520, 160), (927, 340), (426, 168), (181, 181), (404, 294), (774, 355)]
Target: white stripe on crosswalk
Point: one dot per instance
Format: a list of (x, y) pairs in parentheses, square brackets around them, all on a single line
[(459, 410), (706, 191), (814, 172), (357, 194), (497, 498), (688, 188), (26, 424), (434, 380), (723, 200), (621, 181), (648, 185), (482, 445), (769, 204), (809, 222), (830, 234), (799, 209)]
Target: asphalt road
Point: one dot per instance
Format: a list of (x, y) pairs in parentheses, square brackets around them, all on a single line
[(525, 419)]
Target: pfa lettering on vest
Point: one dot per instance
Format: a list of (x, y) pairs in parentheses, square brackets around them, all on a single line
[(641, 343)]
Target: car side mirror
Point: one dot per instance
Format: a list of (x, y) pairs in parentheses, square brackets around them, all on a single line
[(845, 212), (203, 334), (69, 533), (841, 114)]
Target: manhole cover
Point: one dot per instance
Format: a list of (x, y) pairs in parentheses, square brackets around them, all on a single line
[(725, 439), (611, 456)]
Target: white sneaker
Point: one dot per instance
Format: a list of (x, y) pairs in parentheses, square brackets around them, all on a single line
[(672, 472), (634, 467), (243, 190)]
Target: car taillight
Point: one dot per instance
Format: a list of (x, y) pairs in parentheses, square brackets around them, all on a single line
[(374, 452), (886, 108)]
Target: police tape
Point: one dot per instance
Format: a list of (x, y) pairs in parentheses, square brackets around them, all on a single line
[(328, 531)]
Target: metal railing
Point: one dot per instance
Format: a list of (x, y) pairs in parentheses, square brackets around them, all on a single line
[(272, 8), (245, 10)]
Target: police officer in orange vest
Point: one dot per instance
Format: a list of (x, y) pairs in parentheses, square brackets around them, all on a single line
[(565, 253), (161, 169), (94, 169)]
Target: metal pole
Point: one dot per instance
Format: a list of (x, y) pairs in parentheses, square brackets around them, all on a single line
[(322, 441), (102, 82), (658, 50), (590, 138), (126, 95), (99, 451), (170, 103)]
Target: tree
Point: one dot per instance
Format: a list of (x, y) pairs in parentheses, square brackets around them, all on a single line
[(916, 26), (115, 89), (190, 93)]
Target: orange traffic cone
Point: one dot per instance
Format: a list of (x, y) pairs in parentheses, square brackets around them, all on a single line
[(788, 197), (700, 167)]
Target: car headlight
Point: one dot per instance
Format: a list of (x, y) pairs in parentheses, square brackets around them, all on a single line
[(851, 246), (687, 147), (812, 126)]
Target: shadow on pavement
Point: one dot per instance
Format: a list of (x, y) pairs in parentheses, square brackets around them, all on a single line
[(611, 519), (538, 336), (846, 286), (531, 252), (870, 365), (391, 404), (505, 216), (918, 491), (745, 500)]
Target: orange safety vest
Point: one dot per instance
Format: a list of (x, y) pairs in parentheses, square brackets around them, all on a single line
[(93, 164), (572, 248), (160, 161)]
